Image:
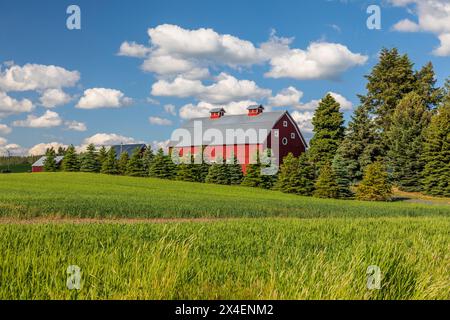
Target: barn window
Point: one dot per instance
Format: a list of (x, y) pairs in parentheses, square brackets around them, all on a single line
[(285, 124), (292, 135), (276, 133), (284, 141)]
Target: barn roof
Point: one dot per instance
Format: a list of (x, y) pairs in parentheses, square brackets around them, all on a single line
[(128, 148), (40, 161), (266, 120)]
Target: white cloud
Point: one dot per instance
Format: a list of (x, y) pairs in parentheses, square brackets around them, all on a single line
[(54, 97), (159, 121), (39, 149), (303, 120), (287, 97), (10, 105), (107, 139), (4, 129), (170, 108), (433, 16), (47, 120), (345, 105), (321, 60), (202, 108), (103, 98), (36, 77), (156, 145), (225, 90), (12, 149), (3, 141), (76, 126), (133, 49)]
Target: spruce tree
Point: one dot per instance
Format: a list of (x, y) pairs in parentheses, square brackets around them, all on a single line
[(218, 173), (252, 177), (375, 185), (426, 87), (147, 158), (405, 135), (109, 166), (135, 166), (328, 131), (61, 151), (200, 167), (123, 163), (287, 169), (343, 178), (162, 166), (101, 156), (436, 153), (90, 162), (302, 181), (70, 161), (234, 171), (50, 161), (186, 170), (326, 185)]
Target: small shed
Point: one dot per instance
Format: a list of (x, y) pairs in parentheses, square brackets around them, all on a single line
[(38, 166)]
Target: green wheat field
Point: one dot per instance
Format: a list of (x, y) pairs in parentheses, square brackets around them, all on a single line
[(141, 238)]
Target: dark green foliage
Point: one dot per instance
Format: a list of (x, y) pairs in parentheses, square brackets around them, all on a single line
[(234, 171), (436, 153), (61, 151), (162, 166), (218, 173), (186, 170), (426, 86), (50, 162), (375, 185), (109, 166), (405, 135), (135, 166), (147, 158), (252, 177), (101, 156), (123, 163), (90, 162), (287, 169), (70, 162), (328, 131), (343, 178), (296, 175), (326, 185)]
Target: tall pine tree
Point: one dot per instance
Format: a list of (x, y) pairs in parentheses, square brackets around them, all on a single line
[(162, 166), (135, 166), (101, 156), (90, 162), (70, 161), (326, 185), (50, 161), (147, 158), (234, 170), (109, 166), (123, 163)]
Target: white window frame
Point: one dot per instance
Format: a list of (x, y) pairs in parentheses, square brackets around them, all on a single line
[(276, 133), (292, 135), (284, 141), (285, 123)]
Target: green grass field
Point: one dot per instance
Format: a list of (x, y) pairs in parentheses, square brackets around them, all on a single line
[(275, 246)]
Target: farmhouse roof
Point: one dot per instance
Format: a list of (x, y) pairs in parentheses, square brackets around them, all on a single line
[(266, 120), (40, 161), (128, 148)]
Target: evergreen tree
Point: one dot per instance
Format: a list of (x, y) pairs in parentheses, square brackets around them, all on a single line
[(109, 166), (326, 185), (200, 167), (287, 169), (135, 166), (405, 135), (328, 131), (218, 173), (343, 178), (302, 182), (123, 163), (61, 151), (375, 185), (70, 161), (186, 170), (436, 153), (101, 156), (90, 162), (234, 171), (162, 166), (50, 161), (252, 177), (426, 87), (147, 158)]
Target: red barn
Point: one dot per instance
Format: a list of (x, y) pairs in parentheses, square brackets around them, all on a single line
[(38, 166), (238, 139)]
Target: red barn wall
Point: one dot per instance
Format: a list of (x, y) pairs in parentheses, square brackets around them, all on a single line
[(37, 169)]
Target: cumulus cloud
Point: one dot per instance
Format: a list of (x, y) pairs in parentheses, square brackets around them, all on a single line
[(4, 129), (133, 49), (10, 105), (202, 108), (156, 145), (3, 141), (303, 120), (287, 97), (225, 90), (103, 98), (321, 60), (159, 121), (36, 77), (47, 120), (76, 126), (433, 16), (12, 149), (345, 104), (170, 108), (107, 139), (54, 97), (40, 148)]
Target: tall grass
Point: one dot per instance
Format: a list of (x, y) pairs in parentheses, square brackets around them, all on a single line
[(95, 195), (239, 259)]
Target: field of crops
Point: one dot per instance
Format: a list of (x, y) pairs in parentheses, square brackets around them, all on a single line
[(268, 245)]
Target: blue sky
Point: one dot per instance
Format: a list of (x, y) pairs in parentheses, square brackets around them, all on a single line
[(137, 69)]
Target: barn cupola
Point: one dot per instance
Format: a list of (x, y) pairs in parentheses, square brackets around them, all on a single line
[(216, 113), (255, 110)]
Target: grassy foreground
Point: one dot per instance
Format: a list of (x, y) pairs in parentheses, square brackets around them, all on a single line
[(323, 255), (239, 259), (93, 195)]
